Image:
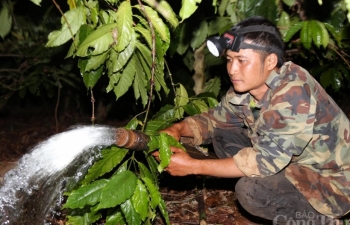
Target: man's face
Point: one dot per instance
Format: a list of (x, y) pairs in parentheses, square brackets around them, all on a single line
[(247, 72)]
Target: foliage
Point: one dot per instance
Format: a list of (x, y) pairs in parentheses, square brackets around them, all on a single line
[(125, 187)]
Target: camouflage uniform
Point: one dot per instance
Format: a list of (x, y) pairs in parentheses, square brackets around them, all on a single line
[(299, 128)]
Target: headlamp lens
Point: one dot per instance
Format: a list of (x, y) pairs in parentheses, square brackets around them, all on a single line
[(212, 48)]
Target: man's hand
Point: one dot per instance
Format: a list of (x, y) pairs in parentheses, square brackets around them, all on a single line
[(181, 163)]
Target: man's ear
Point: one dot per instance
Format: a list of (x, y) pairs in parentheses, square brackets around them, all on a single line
[(271, 61)]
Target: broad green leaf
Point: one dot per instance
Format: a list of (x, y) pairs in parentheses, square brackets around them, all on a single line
[(144, 171), (87, 218), (71, 4), (219, 25), (190, 109), (6, 21), (213, 86), (164, 152), (158, 23), (200, 105), (126, 79), (165, 10), (71, 22), (153, 192), (123, 57), (111, 157), (146, 33), (267, 8), (182, 37), (140, 200), (95, 61), (124, 22), (164, 211), (283, 23), (36, 2), (140, 82), (86, 195), (222, 7), (331, 77), (145, 52), (153, 164), (165, 113), (306, 35), (91, 78), (130, 214), (114, 219), (119, 188), (153, 144), (113, 80), (336, 35), (188, 7), (293, 30), (289, 3), (319, 33), (132, 124), (212, 102), (180, 100), (199, 35), (156, 125), (98, 41)]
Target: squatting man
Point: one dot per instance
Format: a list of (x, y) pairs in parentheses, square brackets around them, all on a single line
[(276, 129)]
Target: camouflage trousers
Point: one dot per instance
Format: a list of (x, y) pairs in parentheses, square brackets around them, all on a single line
[(273, 197)]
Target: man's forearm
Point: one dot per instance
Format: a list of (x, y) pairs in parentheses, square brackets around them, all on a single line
[(217, 168)]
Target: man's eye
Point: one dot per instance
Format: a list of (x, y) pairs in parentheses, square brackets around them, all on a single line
[(228, 59)]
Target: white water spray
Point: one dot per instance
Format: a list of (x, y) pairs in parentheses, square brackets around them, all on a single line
[(32, 188)]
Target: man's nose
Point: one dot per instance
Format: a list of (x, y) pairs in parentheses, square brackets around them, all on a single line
[(232, 67)]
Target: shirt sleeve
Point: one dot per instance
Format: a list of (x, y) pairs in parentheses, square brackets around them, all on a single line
[(283, 130), (222, 116)]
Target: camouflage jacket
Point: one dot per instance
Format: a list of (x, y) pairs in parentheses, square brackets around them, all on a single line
[(299, 128)]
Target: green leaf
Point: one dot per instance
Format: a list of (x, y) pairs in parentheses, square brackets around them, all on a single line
[(164, 211), (190, 109), (119, 188), (140, 200), (213, 85), (85, 195), (283, 23), (98, 41), (124, 22), (156, 125), (114, 219), (153, 164), (36, 2), (91, 78), (219, 25), (293, 30), (306, 35), (117, 63), (111, 157), (181, 99), (140, 82), (200, 105), (146, 33), (87, 218), (289, 3), (153, 192), (158, 23), (132, 124), (188, 7), (222, 7), (144, 171), (6, 20), (319, 33), (126, 79), (95, 61), (334, 33), (165, 10), (132, 217), (165, 113), (212, 102), (199, 35), (165, 142), (71, 22)]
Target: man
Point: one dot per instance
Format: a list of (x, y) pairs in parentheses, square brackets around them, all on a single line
[(277, 128)]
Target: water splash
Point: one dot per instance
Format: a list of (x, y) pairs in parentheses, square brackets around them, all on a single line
[(35, 186)]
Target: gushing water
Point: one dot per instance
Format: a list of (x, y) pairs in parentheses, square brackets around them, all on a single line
[(34, 188)]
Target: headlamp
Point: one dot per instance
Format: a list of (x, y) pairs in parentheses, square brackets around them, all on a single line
[(233, 40)]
